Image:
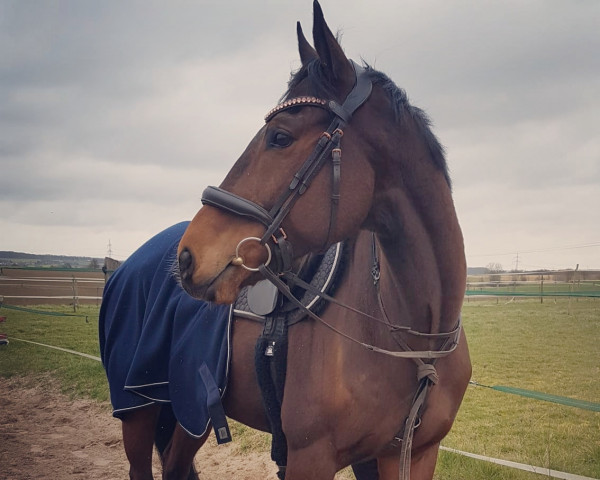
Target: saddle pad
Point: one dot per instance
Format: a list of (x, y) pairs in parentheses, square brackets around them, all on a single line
[(320, 271), (155, 338)]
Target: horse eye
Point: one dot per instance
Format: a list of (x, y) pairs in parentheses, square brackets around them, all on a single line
[(280, 139)]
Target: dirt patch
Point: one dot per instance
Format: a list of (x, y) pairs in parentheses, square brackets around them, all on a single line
[(44, 434)]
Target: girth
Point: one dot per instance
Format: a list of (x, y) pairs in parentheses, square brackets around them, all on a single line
[(277, 314)]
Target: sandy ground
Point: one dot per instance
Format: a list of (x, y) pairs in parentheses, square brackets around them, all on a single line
[(45, 435)]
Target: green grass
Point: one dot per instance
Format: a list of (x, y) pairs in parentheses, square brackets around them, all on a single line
[(79, 377), (552, 347), (250, 440)]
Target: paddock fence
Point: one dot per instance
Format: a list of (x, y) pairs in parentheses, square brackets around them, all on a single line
[(71, 286), (27, 286), (542, 284)]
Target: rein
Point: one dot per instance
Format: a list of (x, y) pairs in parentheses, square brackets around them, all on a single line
[(293, 280)]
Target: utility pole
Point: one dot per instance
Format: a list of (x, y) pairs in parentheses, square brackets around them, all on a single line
[(109, 251)]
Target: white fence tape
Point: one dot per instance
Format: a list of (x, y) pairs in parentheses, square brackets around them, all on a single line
[(59, 348), (520, 466)]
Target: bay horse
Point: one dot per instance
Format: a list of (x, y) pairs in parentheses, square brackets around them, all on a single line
[(381, 371), (375, 380)]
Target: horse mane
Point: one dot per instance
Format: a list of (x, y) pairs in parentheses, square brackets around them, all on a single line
[(320, 86)]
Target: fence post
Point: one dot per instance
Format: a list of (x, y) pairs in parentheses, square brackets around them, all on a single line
[(572, 287), (75, 297)]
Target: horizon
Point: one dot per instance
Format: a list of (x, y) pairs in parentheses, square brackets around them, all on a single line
[(487, 266)]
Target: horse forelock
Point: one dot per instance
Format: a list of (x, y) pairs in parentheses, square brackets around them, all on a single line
[(312, 79)]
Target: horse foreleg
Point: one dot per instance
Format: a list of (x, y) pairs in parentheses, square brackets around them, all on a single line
[(311, 462), (389, 468), (138, 439), (179, 456), (423, 463)]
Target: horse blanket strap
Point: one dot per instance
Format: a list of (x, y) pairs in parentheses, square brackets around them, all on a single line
[(215, 407)]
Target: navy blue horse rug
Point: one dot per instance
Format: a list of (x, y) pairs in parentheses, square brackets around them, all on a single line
[(157, 343)]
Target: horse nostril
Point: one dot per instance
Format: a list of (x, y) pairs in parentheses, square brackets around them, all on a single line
[(185, 264)]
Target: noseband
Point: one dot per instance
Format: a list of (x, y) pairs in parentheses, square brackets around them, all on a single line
[(328, 145)]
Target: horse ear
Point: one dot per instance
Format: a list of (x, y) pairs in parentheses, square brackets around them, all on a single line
[(307, 52), (329, 50)]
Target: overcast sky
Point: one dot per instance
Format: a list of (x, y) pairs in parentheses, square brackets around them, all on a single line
[(115, 115)]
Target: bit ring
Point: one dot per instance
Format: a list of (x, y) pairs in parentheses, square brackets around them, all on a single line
[(239, 260)]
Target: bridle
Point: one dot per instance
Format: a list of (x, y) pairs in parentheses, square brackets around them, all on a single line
[(328, 146)]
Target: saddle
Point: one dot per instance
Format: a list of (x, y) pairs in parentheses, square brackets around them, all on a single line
[(259, 301)]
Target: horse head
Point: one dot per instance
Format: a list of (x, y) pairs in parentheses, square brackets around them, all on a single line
[(343, 151), (281, 184)]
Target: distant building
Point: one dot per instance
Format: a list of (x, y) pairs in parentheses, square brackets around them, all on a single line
[(110, 265)]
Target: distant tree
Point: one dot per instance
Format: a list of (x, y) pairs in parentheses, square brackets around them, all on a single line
[(494, 268), (94, 264)]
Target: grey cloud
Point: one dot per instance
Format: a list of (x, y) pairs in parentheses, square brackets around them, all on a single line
[(109, 110)]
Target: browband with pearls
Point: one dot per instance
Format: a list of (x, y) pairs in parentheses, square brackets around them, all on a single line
[(297, 102)]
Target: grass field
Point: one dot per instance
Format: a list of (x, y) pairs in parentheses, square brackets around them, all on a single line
[(552, 347)]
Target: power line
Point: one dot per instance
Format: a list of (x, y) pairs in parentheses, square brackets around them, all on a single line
[(542, 250)]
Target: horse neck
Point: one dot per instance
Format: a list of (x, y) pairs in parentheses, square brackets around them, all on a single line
[(423, 269)]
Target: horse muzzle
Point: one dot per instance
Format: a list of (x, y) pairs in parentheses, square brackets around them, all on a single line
[(214, 267)]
